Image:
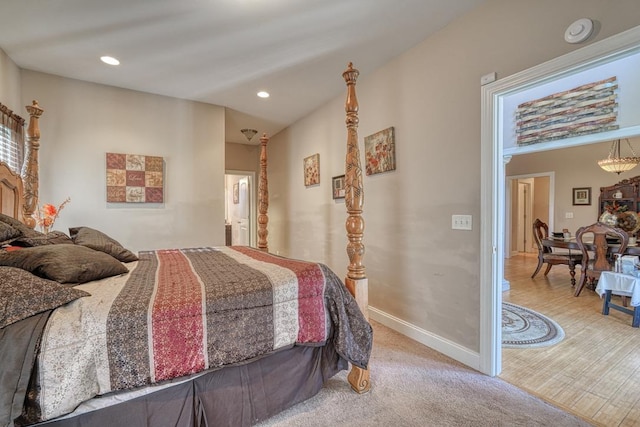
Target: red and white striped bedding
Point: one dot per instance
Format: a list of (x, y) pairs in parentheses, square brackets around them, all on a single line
[(180, 312)]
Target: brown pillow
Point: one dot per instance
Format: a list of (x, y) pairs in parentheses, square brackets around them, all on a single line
[(99, 241), (22, 228), (8, 233), (64, 263), (22, 295), (52, 238)]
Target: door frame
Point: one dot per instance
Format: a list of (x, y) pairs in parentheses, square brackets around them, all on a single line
[(510, 179), (252, 197), (493, 160)]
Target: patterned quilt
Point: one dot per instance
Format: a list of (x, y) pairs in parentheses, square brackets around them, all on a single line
[(180, 312)]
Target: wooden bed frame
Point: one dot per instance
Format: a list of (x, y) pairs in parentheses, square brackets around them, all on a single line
[(19, 199)]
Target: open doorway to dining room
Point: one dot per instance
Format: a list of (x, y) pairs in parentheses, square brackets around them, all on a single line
[(240, 215), (619, 56)]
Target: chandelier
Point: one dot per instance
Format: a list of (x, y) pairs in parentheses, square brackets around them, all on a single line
[(249, 133), (616, 164)]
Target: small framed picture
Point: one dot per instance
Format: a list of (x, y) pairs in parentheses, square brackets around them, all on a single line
[(311, 170), (236, 193), (337, 187), (582, 196)]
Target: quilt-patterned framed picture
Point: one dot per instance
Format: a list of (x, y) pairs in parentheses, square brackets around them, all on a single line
[(338, 187), (135, 178), (312, 170), (380, 151)]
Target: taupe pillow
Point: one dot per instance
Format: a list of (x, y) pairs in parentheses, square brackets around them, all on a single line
[(22, 228), (99, 241), (64, 263), (8, 233), (52, 238), (22, 295)]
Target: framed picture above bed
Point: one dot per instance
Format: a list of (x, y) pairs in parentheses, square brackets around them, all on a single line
[(380, 151), (135, 178), (312, 170)]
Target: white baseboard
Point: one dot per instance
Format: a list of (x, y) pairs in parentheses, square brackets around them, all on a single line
[(438, 343)]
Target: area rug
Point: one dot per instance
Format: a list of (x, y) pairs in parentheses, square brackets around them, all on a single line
[(524, 328)]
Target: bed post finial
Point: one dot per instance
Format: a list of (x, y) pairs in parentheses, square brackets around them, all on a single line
[(263, 196), (30, 166)]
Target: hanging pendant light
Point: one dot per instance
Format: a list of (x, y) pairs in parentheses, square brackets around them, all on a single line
[(249, 133), (616, 164)]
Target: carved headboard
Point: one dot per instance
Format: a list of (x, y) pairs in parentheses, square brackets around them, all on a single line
[(11, 192)]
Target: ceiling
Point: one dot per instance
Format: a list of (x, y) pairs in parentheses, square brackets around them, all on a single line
[(221, 52)]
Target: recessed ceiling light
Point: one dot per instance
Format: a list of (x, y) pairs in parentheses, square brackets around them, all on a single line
[(109, 60), (263, 94)]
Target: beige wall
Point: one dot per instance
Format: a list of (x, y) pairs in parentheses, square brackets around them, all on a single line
[(422, 273), (10, 85), (83, 121), (242, 157)]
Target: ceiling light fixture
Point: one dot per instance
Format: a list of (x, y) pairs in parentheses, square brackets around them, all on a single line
[(109, 60), (616, 164), (263, 94), (249, 133)]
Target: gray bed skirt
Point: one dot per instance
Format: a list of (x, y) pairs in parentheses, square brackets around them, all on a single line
[(234, 396)]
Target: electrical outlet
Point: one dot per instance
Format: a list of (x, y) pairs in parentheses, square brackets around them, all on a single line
[(568, 215), (461, 222)]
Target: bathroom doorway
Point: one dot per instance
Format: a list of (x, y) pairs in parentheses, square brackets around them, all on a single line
[(240, 216)]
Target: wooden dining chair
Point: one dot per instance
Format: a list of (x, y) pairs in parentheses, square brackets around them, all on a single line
[(547, 255), (598, 257)]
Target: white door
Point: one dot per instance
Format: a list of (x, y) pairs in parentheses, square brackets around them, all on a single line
[(243, 218), (240, 213)]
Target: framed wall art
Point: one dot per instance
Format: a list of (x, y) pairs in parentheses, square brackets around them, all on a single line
[(380, 151), (312, 170), (134, 178), (338, 187), (582, 196), (236, 193)]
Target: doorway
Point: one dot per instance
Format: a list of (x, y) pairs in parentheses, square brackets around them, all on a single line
[(498, 99), (529, 197), (240, 208)]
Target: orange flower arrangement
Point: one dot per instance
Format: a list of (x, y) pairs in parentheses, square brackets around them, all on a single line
[(47, 215)]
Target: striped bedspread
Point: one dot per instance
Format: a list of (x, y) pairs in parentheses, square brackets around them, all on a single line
[(180, 312)]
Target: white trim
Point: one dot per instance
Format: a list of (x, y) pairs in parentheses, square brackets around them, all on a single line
[(436, 342), (493, 178)]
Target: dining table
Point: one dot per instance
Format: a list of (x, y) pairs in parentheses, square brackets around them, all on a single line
[(570, 244)]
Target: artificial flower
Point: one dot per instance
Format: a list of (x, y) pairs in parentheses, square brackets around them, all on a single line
[(47, 215)]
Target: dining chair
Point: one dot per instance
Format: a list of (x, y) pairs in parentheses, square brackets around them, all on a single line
[(547, 255), (597, 254)]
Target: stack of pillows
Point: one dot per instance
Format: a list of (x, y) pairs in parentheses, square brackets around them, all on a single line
[(37, 270)]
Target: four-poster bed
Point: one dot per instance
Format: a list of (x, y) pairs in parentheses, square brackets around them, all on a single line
[(243, 354)]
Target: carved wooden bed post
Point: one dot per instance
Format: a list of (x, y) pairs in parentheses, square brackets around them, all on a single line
[(356, 280), (30, 166), (263, 197)]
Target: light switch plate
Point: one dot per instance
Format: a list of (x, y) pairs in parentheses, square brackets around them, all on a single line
[(461, 222)]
